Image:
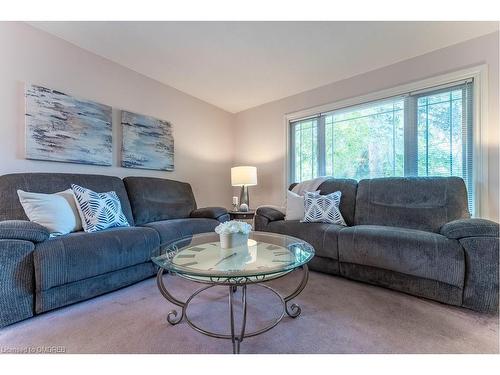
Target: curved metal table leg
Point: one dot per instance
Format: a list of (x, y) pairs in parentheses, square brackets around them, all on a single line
[(236, 340), (172, 314), (294, 310)]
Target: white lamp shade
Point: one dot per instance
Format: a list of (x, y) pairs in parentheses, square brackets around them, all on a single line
[(243, 176)]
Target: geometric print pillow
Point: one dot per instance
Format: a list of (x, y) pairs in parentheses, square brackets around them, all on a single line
[(323, 208), (99, 211)]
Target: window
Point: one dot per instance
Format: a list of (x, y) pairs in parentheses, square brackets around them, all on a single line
[(423, 133)]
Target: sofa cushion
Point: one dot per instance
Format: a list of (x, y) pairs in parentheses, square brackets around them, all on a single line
[(322, 208), (57, 212), (322, 236), (424, 203), (348, 188), (81, 255), (48, 183), (407, 251), (155, 199), (171, 230), (99, 211), (295, 209)]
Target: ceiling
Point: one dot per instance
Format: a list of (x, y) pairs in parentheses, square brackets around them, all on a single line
[(239, 65)]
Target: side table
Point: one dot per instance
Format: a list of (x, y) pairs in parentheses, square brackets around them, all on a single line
[(246, 216)]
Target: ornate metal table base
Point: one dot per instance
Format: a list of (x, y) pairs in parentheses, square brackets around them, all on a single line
[(236, 336)]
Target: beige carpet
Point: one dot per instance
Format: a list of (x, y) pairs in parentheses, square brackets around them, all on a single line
[(338, 316)]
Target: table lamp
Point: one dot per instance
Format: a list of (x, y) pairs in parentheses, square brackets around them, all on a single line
[(244, 176)]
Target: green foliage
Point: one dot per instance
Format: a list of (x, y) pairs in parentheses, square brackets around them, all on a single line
[(440, 134), (368, 142)]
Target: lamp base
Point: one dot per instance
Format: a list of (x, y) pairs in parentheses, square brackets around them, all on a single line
[(244, 196)]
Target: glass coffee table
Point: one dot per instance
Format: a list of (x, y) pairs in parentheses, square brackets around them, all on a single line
[(266, 256)]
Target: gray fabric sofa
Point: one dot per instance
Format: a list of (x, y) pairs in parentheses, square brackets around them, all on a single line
[(38, 273), (409, 234)]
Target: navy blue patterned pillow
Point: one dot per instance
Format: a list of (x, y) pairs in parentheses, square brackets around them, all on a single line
[(323, 208), (99, 211)]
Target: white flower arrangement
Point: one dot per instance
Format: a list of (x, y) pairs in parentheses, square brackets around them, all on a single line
[(233, 226)]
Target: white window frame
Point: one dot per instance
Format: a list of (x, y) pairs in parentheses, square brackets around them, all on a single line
[(479, 117)]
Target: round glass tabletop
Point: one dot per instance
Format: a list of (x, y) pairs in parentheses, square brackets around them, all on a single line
[(265, 256)]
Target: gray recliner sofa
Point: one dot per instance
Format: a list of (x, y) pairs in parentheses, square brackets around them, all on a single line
[(413, 235), (38, 273)]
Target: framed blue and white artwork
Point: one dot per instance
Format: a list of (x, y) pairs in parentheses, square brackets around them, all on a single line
[(147, 142), (63, 128)]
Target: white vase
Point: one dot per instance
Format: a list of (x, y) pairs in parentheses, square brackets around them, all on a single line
[(231, 240)]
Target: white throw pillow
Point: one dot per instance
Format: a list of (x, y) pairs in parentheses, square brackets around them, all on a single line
[(295, 206), (323, 208), (99, 211), (57, 212)]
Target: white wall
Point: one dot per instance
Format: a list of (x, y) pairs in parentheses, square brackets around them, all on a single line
[(261, 135), (202, 132)]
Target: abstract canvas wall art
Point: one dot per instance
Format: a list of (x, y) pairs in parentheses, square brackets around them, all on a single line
[(63, 128), (147, 142)]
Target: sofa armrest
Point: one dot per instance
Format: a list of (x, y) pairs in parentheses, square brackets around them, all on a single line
[(23, 230), (217, 213), (479, 239), (264, 215), (463, 228), (481, 276), (17, 281), (270, 213)]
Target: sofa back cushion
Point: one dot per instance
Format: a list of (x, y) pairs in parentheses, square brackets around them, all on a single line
[(48, 183), (348, 189), (155, 199), (424, 203)]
